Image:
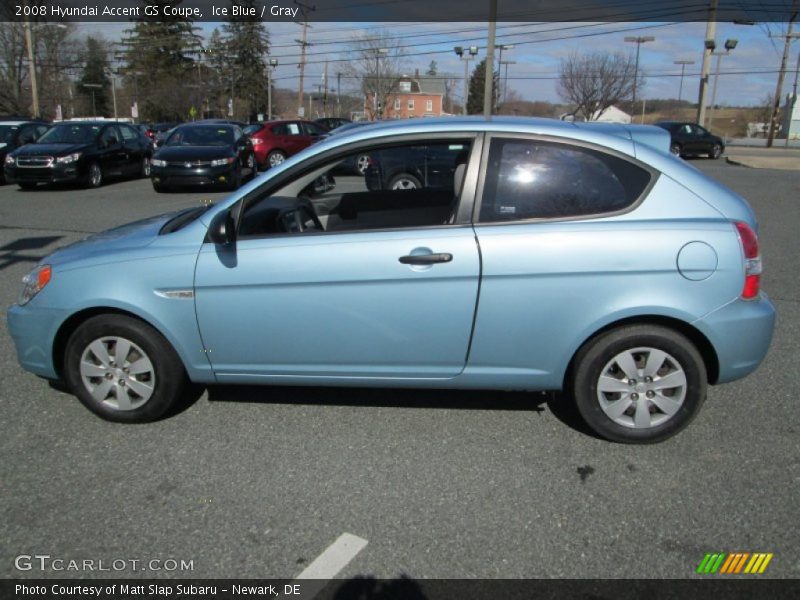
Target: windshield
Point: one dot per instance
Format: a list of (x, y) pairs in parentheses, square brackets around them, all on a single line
[(198, 135), (70, 134), (7, 133)]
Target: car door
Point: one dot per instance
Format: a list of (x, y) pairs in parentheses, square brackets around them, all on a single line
[(292, 138), (705, 140), (113, 157), (134, 150), (357, 303)]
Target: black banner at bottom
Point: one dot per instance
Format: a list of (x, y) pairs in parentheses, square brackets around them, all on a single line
[(402, 588)]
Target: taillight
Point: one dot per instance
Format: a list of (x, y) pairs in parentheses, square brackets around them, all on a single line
[(256, 141), (752, 261)]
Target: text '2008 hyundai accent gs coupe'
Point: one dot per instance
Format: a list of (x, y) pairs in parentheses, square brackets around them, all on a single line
[(539, 255)]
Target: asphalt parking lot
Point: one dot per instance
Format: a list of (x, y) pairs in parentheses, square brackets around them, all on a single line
[(258, 482)]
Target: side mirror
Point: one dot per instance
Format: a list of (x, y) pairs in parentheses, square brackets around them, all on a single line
[(223, 226), (223, 229)]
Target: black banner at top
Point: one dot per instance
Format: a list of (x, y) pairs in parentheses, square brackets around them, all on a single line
[(747, 11)]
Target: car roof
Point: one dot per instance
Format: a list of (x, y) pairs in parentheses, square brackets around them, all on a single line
[(606, 134)]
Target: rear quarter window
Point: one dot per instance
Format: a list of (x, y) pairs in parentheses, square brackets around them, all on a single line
[(531, 179)]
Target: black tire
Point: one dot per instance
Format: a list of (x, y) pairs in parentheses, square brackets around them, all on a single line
[(275, 158), (404, 181), (592, 360), (362, 163), (159, 188), (94, 175), (236, 177), (252, 164), (168, 375), (716, 151), (145, 169), (675, 149), (26, 185)]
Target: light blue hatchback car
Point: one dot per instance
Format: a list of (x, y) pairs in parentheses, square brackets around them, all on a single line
[(514, 254)]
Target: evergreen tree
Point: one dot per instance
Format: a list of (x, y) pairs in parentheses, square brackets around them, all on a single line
[(432, 69), (95, 59), (246, 46), (477, 83), (160, 55)]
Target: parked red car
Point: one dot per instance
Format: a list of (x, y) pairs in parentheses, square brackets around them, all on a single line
[(275, 141)]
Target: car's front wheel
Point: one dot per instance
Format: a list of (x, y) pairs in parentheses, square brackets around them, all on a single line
[(404, 182), (94, 175), (716, 151), (639, 384), (122, 369)]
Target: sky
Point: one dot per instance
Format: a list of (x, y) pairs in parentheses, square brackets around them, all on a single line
[(748, 74)]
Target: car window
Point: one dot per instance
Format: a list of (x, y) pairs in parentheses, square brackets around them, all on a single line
[(287, 129), (527, 179), (110, 136), (387, 187), (314, 129), (27, 135), (128, 133)]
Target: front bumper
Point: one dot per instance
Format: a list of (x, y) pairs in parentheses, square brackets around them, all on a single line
[(191, 176), (741, 333), (55, 174), (33, 331)]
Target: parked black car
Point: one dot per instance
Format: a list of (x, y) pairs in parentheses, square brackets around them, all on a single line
[(87, 152), (414, 167), (17, 133), (331, 123), (204, 154), (689, 139)]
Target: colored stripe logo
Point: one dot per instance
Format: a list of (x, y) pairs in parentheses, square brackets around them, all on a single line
[(734, 563)]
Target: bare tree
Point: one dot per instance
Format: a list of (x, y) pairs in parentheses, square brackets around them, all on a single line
[(593, 82), (13, 69), (376, 60)]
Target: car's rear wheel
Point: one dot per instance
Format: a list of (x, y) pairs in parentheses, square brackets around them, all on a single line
[(122, 369), (639, 384), (404, 182), (675, 149), (716, 151), (362, 163), (275, 158), (94, 175)]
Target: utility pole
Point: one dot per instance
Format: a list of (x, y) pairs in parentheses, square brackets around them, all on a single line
[(273, 62), (304, 8), (709, 44), (472, 51), (773, 120), (488, 87), (338, 94), (31, 65), (794, 99)]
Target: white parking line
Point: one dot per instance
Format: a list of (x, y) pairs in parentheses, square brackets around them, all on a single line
[(334, 558)]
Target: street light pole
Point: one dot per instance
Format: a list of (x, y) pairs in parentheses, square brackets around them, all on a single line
[(730, 44), (683, 64), (505, 83), (638, 40), (472, 52), (378, 103)]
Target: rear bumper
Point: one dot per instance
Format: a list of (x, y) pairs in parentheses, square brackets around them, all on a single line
[(741, 333)]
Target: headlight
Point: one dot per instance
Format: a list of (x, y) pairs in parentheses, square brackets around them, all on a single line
[(70, 158), (33, 283), (9, 159), (157, 162), (221, 161)]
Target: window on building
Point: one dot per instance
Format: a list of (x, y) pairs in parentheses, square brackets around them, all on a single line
[(397, 104), (405, 86), (429, 105), (411, 104)]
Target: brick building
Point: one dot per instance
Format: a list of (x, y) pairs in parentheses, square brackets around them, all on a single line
[(413, 96)]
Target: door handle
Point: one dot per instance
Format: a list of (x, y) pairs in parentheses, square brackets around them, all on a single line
[(426, 259)]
